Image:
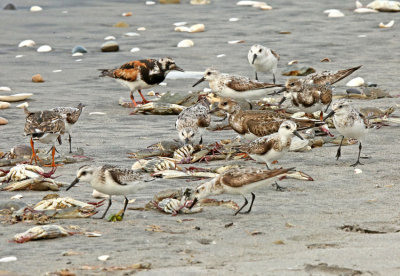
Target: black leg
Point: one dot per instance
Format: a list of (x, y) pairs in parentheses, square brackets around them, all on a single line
[(253, 196), (278, 187), (240, 209), (268, 168), (201, 140), (329, 104), (69, 140), (108, 207), (339, 153), (273, 78), (256, 76), (358, 159), (125, 205)]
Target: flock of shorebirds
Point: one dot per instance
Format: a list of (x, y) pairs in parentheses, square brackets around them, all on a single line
[(270, 132)]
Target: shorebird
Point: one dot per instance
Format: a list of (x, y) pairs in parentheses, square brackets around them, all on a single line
[(192, 120), (263, 60), (251, 124), (313, 92), (72, 115), (232, 86), (110, 180), (350, 123), (272, 147), (46, 127), (239, 182), (141, 74)]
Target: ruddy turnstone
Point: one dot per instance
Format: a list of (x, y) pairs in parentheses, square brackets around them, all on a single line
[(110, 180), (239, 182), (72, 115), (272, 147), (46, 127), (263, 60), (232, 86), (141, 74), (252, 124), (192, 121), (350, 123)]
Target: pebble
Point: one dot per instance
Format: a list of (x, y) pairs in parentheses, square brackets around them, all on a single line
[(356, 82), (151, 93), (27, 43), (77, 60), (110, 46), (110, 37), (37, 78), (5, 88), (353, 91), (370, 84), (162, 84), (185, 43), (9, 7), (127, 14), (131, 34), (121, 25), (4, 105), (197, 28), (77, 54), (44, 49), (364, 10), (35, 8), (134, 50), (141, 29), (79, 49), (3, 121)]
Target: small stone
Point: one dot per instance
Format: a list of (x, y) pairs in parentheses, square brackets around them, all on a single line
[(77, 60), (3, 121), (8, 259), (356, 82), (35, 8), (110, 37), (9, 7), (121, 25), (197, 28), (24, 104), (77, 55), (27, 43), (127, 14), (37, 78), (370, 84), (44, 49), (79, 49), (134, 50), (235, 41), (5, 88), (4, 105), (185, 43), (110, 46)]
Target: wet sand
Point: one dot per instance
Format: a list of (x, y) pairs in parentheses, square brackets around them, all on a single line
[(299, 227)]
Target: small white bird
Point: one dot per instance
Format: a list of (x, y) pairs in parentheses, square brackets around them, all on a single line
[(263, 60), (110, 180), (272, 147), (350, 123)]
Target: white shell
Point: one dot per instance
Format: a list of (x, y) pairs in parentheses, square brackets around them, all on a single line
[(388, 6), (19, 56), (149, 3), (180, 23), (57, 71), (249, 3), (133, 50), (197, 28), (359, 4), (364, 10), (110, 37), (388, 25), (5, 88), (77, 54), (24, 104), (8, 259), (235, 41), (185, 43), (233, 19), (16, 97), (357, 171), (35, 8), (335, 13), (293, 62), (27, 43), (356, 82), (151, 93), (221, 55), (263, 7), (4, 105), (131, 34), (97, 113), (182, 29), (141, 29), (103, 258), (18, 196), (44, 49), (162, 84)]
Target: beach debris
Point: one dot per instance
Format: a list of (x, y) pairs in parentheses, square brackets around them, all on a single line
[(44, 49), (295, 61), (163, 148), (16, 97), (67, 207), (150, 3), (184, 154), (110, 37), (356, 82), (4, 105), (9, 7), (5, 88), (388, 25), (27, 43), (130, 34), (35, 8), (158, 108), (93, 234), (236, 41), (121, 24), (41, 232), (294, 70), (325, 60), (17, 197), (357, 171), (180, 23), (79, 49), (185, 43), (155, 165), (34, 184), (141, 29), (358, 229), (71, 253), (103, 258), (174, 201), (22, 172), (385, 6), (221, 55), (8, 259), (117, 268), (365, 10), (200, 2), (134, 50), (110, 46), (37, 78), (192, 29), (255, 4), (127, 14), (334, 13), (233, 19)]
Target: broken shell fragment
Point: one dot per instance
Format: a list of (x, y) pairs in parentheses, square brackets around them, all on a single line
[(103, 258), (235, 41), (5, 88), (27, 43), (364, 10), (16, 97), (197, 28), (4, 105), (3, 121), (24, 104), (185, 43), (388, 25)]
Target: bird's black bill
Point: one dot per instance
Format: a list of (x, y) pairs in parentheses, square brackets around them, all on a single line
[(329, 115), (178, 69), (199, 81), (73, 184), (194, 202), (277, 92), (281, 101), (298, 134), (254, 58), (214, 109)]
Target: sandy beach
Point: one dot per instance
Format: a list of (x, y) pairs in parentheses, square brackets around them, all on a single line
[(298, 230)]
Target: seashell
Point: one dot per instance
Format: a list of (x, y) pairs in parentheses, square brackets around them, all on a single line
[(121, 25), (77, 54), (9, 7), (141, 29), (233, 19), (357, 171), (35, 8), (185, 43), (263, 7), (103, 258), (24, 104), (199, 2), (3, 121), (44, 49), (17, 197), (134, 50), (362, 36), (57, 71), (97, 113), (295, 61), (197, 28), (356, 82), (388, 25), (384, 6), (162, 84), (19, 56), (151, 93), (235, 41), (8, 259), (27, 43), (207, 90), (97, 194), (37, 78), (92, 234), (177, 24), (127, 14), (364, 10), (16, 97), (182, 29), (249, 3), (221, 55), (335, 13), (149, 3), (4, 105), (5, 88), (110, 37), (359, 4), (325, 60), (131, 34)]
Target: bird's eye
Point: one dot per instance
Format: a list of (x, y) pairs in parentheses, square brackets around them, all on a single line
[(83, 173), (260, 50), (224, 103), (208, 73), (191, 135), (340, 106), (288, 127), (291, 84)]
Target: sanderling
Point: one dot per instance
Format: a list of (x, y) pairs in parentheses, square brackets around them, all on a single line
[(46, 127), (192, 120), (239, 181), (329, 77), (72, 115), (232, 86), (272, 147), (350, 124), (110, 180), (141, 74), (263, 60)]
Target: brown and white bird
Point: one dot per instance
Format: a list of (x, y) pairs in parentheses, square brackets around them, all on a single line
[(263, 60), (232, 86), (192, 121), (272, 147), (72, 115), (141, 74), (46, 127)]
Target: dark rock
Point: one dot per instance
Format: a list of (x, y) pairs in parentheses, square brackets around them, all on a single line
[(110, 46), (79, 49), (9, 7)]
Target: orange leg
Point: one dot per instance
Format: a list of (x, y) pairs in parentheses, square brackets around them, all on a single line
[(133, 100), (53, 163), (144, 100), (34, 156)]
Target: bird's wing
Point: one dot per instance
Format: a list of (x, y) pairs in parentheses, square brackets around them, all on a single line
[(242, 177)]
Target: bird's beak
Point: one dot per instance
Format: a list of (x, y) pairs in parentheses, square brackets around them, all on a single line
[(178, 69), (199, 81), (298, 134), (282, 100), (214, 109), (194, 202), (186, 141), (329, 115), (73, 183), (283, 89), (254, 58)]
